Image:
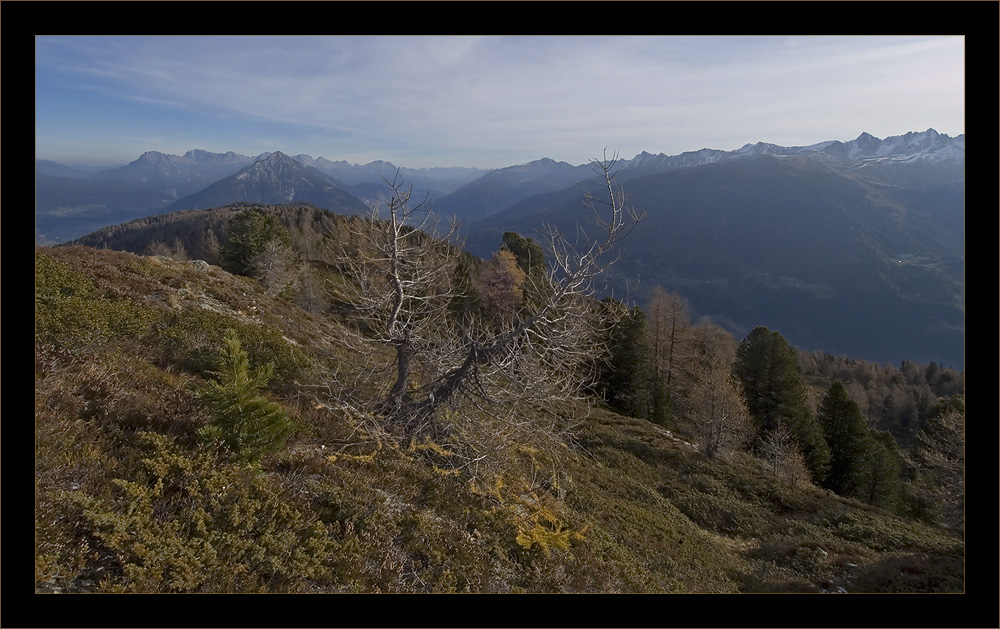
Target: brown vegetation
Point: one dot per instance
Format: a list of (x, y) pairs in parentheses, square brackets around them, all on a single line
[(128, 498)]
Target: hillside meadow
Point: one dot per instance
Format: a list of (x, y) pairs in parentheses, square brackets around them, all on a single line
[(130, 498)]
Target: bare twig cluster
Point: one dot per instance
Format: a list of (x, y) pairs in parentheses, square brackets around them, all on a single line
[(420, 355)]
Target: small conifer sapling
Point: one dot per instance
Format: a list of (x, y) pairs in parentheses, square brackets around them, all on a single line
[(244, 420)]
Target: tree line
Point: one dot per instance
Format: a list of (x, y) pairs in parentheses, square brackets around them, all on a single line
[(891, 437), (896, 399)]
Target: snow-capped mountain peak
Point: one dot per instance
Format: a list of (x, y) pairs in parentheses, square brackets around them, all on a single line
[(865, 150), (926, 145)]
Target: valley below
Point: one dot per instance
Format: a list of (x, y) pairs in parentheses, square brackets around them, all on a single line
[(852, 248)]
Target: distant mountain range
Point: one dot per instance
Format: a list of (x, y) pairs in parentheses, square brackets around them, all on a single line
[(274, 179), (836, 257), (503, 188), (851, 247), (178, 176), (75, 200), (71, 201)]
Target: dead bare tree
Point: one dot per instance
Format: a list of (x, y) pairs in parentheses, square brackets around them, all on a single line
[(718, 412), (782, 455), (416, 356), (937, 461), (397, 282)]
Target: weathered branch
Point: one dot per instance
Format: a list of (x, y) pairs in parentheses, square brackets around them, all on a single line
[(399, 280)]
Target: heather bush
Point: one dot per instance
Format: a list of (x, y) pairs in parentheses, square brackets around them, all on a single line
[(193, 339), (191, 523), (70, 312)]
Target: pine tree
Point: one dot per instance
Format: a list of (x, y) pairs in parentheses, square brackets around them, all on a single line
[(248, 424), (767, 368), (884, 486), (850, 443), (625, 379), (256, 241)]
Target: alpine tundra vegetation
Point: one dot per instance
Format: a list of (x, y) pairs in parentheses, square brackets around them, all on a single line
[(277, 398)]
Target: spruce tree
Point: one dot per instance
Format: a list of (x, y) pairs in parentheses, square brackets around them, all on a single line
[(767, 368), (248, 424)]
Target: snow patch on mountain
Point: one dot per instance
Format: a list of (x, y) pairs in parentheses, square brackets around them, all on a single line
[(865, 150)]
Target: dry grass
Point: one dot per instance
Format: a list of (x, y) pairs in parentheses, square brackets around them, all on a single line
[(126, 499)]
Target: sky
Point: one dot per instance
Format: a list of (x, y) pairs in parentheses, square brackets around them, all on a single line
[(483, 101)]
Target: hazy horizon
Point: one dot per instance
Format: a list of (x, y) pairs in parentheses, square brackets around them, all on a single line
[(483, 102)]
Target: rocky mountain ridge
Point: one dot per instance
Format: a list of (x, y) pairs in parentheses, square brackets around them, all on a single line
[(866, 149), (926, 145), (71, 202), (276, 178)]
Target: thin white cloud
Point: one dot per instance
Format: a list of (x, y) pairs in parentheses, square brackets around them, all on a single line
[(539, 96)]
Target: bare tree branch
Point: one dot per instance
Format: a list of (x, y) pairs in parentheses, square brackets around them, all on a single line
[(417, 356)]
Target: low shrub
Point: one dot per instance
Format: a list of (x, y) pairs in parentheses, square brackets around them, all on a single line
[(720, 513), (913, 573), (191, 523), (70, 313), (193, 338)]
